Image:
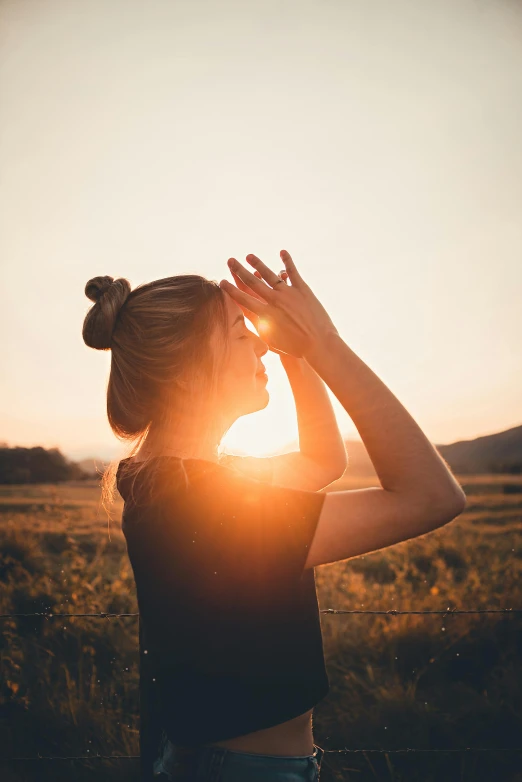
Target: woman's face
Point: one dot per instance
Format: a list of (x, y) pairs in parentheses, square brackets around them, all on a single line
[(243, 389)]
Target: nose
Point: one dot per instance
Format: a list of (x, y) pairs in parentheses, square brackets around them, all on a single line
[(263, 347)]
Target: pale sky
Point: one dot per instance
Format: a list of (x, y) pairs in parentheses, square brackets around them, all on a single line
[(378, 142)]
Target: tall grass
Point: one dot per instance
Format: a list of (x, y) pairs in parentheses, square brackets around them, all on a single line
[(70, 687)]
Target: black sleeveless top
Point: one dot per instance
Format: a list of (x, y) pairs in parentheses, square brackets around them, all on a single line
[(229, 617)]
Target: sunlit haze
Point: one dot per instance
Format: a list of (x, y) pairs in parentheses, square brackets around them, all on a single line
[(378, 142)]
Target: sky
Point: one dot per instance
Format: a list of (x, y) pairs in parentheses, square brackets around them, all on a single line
[(378, 142)]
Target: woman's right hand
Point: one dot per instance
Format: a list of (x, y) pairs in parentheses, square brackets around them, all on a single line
[(291, 319)]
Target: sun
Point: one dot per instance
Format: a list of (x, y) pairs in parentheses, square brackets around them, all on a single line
[(272, 429)]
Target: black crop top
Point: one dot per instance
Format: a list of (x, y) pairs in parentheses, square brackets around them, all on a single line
[(229, 617)]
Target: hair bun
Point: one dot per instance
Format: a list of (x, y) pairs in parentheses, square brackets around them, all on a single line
[(109, 296), (96, 287)]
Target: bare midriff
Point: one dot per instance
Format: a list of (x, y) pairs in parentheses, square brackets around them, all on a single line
[(293, 737)]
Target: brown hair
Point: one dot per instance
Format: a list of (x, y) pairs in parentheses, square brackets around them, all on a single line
[(159, 335)]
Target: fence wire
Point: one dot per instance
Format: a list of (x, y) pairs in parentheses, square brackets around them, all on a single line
[(325, 751), (391, 612)]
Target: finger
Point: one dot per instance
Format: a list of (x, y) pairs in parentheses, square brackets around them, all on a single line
[(241, 285), (263, 290), (282, 275), (266, 273), (255, 305), (252, 317), (295, 277)]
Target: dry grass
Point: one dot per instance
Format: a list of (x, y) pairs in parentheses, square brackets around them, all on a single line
[(71, 687)]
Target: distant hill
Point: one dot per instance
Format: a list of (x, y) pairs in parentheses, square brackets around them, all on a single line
[(37, 465), (493, 453), (500, 452), (93, 467), (95, 452)]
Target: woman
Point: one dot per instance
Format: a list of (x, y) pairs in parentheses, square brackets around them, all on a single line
[(223, 549)]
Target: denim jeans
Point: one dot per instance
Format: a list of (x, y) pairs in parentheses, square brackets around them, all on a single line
[(217, 764)]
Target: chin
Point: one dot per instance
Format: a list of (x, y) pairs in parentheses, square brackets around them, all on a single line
[(261, 400)]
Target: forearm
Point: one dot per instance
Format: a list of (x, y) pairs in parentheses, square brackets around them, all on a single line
[(403, 457), (319, 435)]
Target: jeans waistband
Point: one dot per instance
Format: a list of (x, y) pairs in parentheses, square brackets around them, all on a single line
[(178, 760)]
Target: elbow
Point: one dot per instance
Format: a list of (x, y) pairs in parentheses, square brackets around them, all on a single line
[(341, 463), (339, 471), (448, 506), (332, 475), (334, 469), (342, 466), (458, 504)]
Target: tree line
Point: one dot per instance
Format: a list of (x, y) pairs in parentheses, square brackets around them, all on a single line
[(37, 465)]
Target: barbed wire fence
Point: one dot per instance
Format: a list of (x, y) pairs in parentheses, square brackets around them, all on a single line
[(147, 741)]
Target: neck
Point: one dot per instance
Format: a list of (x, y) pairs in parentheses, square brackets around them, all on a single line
[(193, 450), (184, 441)]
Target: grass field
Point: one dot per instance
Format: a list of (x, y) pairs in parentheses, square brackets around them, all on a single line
[(70, 687)]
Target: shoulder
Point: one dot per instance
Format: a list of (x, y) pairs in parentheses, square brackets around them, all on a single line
[(255, 467)]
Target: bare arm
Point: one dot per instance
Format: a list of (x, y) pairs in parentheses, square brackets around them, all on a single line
[(404, 459), (319, 437)]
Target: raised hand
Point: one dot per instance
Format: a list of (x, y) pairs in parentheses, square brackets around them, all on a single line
[(253, 318), (290, 319)]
